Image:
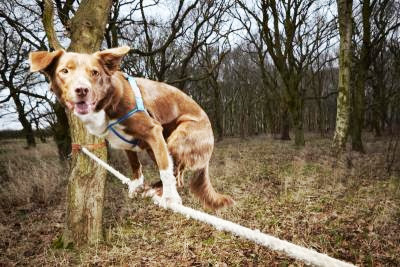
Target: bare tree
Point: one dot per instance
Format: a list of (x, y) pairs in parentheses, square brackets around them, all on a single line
[(377, 20), (345, 20), (165, 50), (211, 58), (273, 97), (14, 76), (291, 40), (24, 18)]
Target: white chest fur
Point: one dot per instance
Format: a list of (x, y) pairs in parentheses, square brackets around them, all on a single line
[(96, 123)]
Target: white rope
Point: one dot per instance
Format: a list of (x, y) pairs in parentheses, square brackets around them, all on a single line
[(306, 255)]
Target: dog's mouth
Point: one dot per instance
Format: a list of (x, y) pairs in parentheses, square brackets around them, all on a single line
[(83, 107)]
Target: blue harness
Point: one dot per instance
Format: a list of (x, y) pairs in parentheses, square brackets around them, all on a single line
[(139, 107)]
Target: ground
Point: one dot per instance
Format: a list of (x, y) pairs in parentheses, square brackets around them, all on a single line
[(348, 209)]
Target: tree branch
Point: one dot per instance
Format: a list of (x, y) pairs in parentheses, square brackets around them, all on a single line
[(48, 24)]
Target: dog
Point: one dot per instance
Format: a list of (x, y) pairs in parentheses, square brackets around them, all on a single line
[(138, 115)]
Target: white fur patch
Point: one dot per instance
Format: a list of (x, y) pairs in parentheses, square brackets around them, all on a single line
[(95, 122), (170, 194)]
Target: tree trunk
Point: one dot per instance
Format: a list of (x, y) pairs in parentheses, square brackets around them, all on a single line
[(218, 109), (299, 134), (62, 135), (296, 110), (26, 125), (379, 107), (285, 125), (294, 103), (295, 106), (85, 191), (357, 113), (87, 179), (242, 120), (357, 117), (342, 115), (320, 118), (376, 113)]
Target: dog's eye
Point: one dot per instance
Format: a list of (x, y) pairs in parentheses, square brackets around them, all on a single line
[(64, 70), (95, 73)]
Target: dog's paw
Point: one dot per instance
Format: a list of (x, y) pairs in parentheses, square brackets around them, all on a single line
[(166, 200), (134, 186)]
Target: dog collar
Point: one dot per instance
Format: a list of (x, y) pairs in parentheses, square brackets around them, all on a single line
[(138, 108)]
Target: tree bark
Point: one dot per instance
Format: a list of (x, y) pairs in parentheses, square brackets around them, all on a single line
[(296, 111), (62, 136), (380, 106), (87, 179), (218, 110), (357, 114), (48, 24), (343, 109), (285, 125)]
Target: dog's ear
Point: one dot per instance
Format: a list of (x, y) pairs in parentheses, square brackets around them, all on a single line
[(41, 60), (111, 58)]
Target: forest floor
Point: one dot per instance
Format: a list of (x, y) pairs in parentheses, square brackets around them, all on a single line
[(348, 209)]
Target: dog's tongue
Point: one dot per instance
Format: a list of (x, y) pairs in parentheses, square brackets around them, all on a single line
[(82, 107)]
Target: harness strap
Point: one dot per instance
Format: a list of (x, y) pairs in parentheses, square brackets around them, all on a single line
[(139, 108), (133, 142)]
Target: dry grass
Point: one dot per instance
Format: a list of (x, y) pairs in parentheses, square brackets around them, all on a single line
[(349, 211), (28, 175)]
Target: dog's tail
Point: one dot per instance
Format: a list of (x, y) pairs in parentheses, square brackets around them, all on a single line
[(202, 188)]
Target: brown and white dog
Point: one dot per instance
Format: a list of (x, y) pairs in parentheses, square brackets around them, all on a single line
[(175, 131)]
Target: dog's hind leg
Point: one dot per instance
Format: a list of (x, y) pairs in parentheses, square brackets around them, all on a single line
[(137, 176), (191, 145)]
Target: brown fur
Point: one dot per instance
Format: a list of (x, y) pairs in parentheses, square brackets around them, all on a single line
[(176, 125)]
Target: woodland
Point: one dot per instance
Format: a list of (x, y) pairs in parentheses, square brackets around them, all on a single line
[(304, 100)]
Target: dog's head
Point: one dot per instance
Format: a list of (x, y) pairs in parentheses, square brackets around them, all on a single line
[(80, 81)]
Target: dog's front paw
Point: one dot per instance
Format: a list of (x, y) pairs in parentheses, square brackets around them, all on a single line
[(134, 186), (167, 199)]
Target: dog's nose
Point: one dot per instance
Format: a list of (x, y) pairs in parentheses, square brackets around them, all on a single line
[(81, 91)]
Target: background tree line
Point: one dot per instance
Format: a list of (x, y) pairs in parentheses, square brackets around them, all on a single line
[(256, 67)]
